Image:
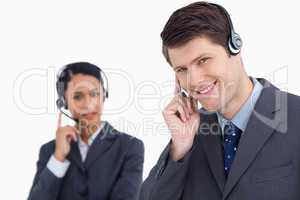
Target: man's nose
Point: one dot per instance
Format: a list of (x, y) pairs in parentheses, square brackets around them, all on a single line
[(193, 76)]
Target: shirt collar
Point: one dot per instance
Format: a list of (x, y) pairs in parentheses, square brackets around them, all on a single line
[(241, 118), (92, 137)]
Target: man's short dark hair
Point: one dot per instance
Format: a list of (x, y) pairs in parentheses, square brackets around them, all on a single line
[(194, 20)]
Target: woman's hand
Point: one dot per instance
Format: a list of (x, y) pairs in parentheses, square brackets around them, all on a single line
[(64, 136)]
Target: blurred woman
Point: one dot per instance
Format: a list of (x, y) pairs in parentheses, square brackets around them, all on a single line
[(90, 160)]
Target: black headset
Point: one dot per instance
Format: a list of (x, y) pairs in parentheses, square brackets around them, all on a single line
[(235, 42), (61, 102)]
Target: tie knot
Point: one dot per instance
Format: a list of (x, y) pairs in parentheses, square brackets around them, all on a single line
[(232, 132)]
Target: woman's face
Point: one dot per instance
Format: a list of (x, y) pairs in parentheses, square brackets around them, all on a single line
[(84, 97)]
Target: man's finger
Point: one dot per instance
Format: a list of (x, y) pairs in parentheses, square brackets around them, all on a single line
[(174, 103), (181, 113), (194, 104), (183, 101), (177, 86), (189, 105), (178, 109)]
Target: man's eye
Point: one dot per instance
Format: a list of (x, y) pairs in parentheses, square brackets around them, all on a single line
[(180, 70), (203, 61)]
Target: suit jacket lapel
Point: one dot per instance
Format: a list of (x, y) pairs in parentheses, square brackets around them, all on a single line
[(262, 123), (211, 139), (101, 144)]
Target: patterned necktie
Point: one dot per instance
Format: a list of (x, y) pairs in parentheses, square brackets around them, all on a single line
[(232, 136)]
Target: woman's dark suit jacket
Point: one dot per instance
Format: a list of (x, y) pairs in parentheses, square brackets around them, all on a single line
[(112, 170)]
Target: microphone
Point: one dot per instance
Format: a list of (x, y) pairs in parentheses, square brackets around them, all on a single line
[(61, 104), (74, 119)]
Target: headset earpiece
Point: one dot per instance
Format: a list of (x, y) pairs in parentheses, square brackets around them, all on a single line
[(105, 87), (105, 94), (235, 42), (60, 103)]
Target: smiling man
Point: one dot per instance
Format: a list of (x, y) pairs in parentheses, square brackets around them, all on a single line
[(244, 142)]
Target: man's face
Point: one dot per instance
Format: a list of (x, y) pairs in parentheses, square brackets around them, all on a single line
[(207, 72), (84, 97)]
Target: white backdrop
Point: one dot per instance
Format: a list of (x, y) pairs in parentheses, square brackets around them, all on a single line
[(36, 37)]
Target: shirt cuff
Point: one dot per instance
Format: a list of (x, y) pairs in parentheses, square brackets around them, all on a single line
[(58, 168)]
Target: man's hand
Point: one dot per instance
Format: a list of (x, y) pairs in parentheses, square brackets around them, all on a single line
[(182, 118)]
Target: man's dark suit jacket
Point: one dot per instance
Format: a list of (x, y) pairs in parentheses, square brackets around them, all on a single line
[(112, 170), (266, 165)]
